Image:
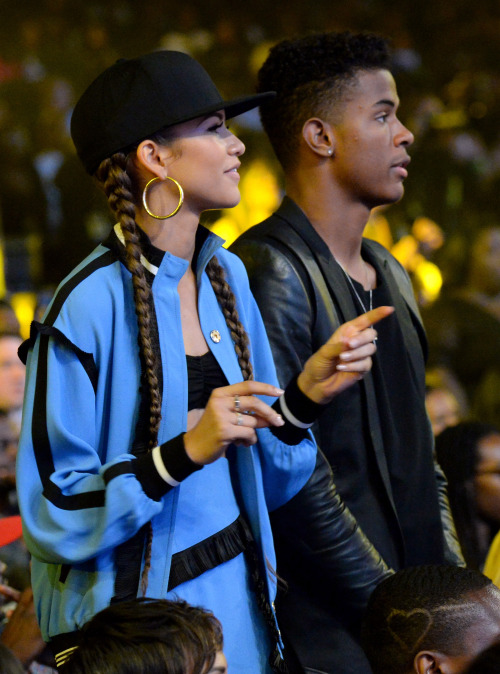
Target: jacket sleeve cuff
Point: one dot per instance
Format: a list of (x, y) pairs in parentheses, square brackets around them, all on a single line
[(164, 467), (299, 413)]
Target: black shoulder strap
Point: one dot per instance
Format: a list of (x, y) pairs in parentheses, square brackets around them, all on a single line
[(304, 255), (398, 272)]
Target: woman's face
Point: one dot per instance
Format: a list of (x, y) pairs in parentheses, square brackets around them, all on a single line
[(205, 162), (487, 480)]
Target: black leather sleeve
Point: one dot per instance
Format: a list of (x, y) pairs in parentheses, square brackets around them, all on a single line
[(316, 534), (317, 531), (452, 550)]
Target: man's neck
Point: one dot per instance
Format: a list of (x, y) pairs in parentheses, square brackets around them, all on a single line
[(340, 224)]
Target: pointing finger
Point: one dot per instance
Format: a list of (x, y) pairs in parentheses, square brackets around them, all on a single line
[(371, 317)]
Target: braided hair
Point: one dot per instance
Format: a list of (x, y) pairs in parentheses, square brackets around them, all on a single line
[(227, 302), (113, 177)]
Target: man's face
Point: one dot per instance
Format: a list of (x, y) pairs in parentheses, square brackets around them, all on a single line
[(370, 157), (12, 374)]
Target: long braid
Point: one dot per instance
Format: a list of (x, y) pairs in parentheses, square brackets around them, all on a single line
[(116, 183), (227, 302)]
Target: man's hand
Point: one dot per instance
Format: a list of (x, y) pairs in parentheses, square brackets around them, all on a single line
[(344, 359)]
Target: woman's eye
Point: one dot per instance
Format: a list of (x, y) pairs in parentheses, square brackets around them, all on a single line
[(216, 127), (382, 118)]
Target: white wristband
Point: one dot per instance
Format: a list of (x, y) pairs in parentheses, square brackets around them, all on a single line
[(160, 467), (289, 416)]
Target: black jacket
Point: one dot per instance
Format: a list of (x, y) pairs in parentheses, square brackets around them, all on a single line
[(301, 291)]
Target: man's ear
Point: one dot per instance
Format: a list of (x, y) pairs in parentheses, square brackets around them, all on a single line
[(319, 136), (432, 662)]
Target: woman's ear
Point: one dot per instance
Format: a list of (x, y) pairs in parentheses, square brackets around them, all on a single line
[(319, 136), (153, 157)]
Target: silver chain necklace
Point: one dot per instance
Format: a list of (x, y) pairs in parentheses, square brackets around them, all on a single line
[(354, 288)]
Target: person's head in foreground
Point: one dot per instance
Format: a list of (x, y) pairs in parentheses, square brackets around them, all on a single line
[(430, 620), (487, 662), (156, 636)]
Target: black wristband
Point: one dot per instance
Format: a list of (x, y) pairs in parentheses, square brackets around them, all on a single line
[(176, 459), (300, 406), (299, 413)]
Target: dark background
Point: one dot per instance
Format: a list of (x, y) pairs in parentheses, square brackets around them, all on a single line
[(447, 70)]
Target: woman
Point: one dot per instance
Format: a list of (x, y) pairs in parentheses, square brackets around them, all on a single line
[(152, 470), (469, 454)]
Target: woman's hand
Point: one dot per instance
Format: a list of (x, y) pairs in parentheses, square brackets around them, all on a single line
[(232, 414), (344, 359)]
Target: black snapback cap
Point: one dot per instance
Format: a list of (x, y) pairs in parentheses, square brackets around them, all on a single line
[(135, 98)]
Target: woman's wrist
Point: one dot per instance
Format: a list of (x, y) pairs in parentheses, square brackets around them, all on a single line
[(190, 448)]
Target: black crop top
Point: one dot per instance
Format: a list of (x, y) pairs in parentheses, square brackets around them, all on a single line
[(204, 374)]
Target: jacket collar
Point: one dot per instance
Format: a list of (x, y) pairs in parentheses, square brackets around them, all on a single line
[(206, 245), (399, 286)]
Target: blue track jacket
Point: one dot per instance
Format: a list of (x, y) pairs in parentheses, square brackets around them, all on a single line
[(80, 414)]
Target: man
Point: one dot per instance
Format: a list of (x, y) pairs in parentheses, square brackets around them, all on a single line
[(335, 130), (488, 662), (431, 620)]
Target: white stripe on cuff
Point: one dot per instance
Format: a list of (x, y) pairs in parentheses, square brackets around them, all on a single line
[(289, 416), (160, 467)]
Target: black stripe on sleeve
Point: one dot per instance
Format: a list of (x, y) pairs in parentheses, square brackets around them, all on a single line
[(86, 359), (40, 437), (42, 448), (63, 293)]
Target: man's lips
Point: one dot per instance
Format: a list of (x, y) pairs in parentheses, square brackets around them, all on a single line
[(401, 167)]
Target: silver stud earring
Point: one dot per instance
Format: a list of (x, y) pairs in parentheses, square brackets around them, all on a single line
[(330, 151)]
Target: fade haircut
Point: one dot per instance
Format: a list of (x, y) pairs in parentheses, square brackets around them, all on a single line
[(311, 75), (422, 608), (157, 636)]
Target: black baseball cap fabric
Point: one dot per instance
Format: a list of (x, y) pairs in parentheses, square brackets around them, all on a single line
[(135, 98)]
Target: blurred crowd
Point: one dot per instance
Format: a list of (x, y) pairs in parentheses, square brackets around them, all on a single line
[(449, 78)]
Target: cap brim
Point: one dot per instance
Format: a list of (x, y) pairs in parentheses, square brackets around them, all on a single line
[(232, 108), (238, 106)]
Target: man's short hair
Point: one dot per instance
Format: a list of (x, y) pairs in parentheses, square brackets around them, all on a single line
[(310, 75), (154, 635), (421, 608)]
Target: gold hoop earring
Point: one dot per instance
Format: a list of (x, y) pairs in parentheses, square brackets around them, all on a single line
[(145, 199)]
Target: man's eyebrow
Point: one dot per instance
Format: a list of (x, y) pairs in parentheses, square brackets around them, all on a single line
[(386, 101)]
